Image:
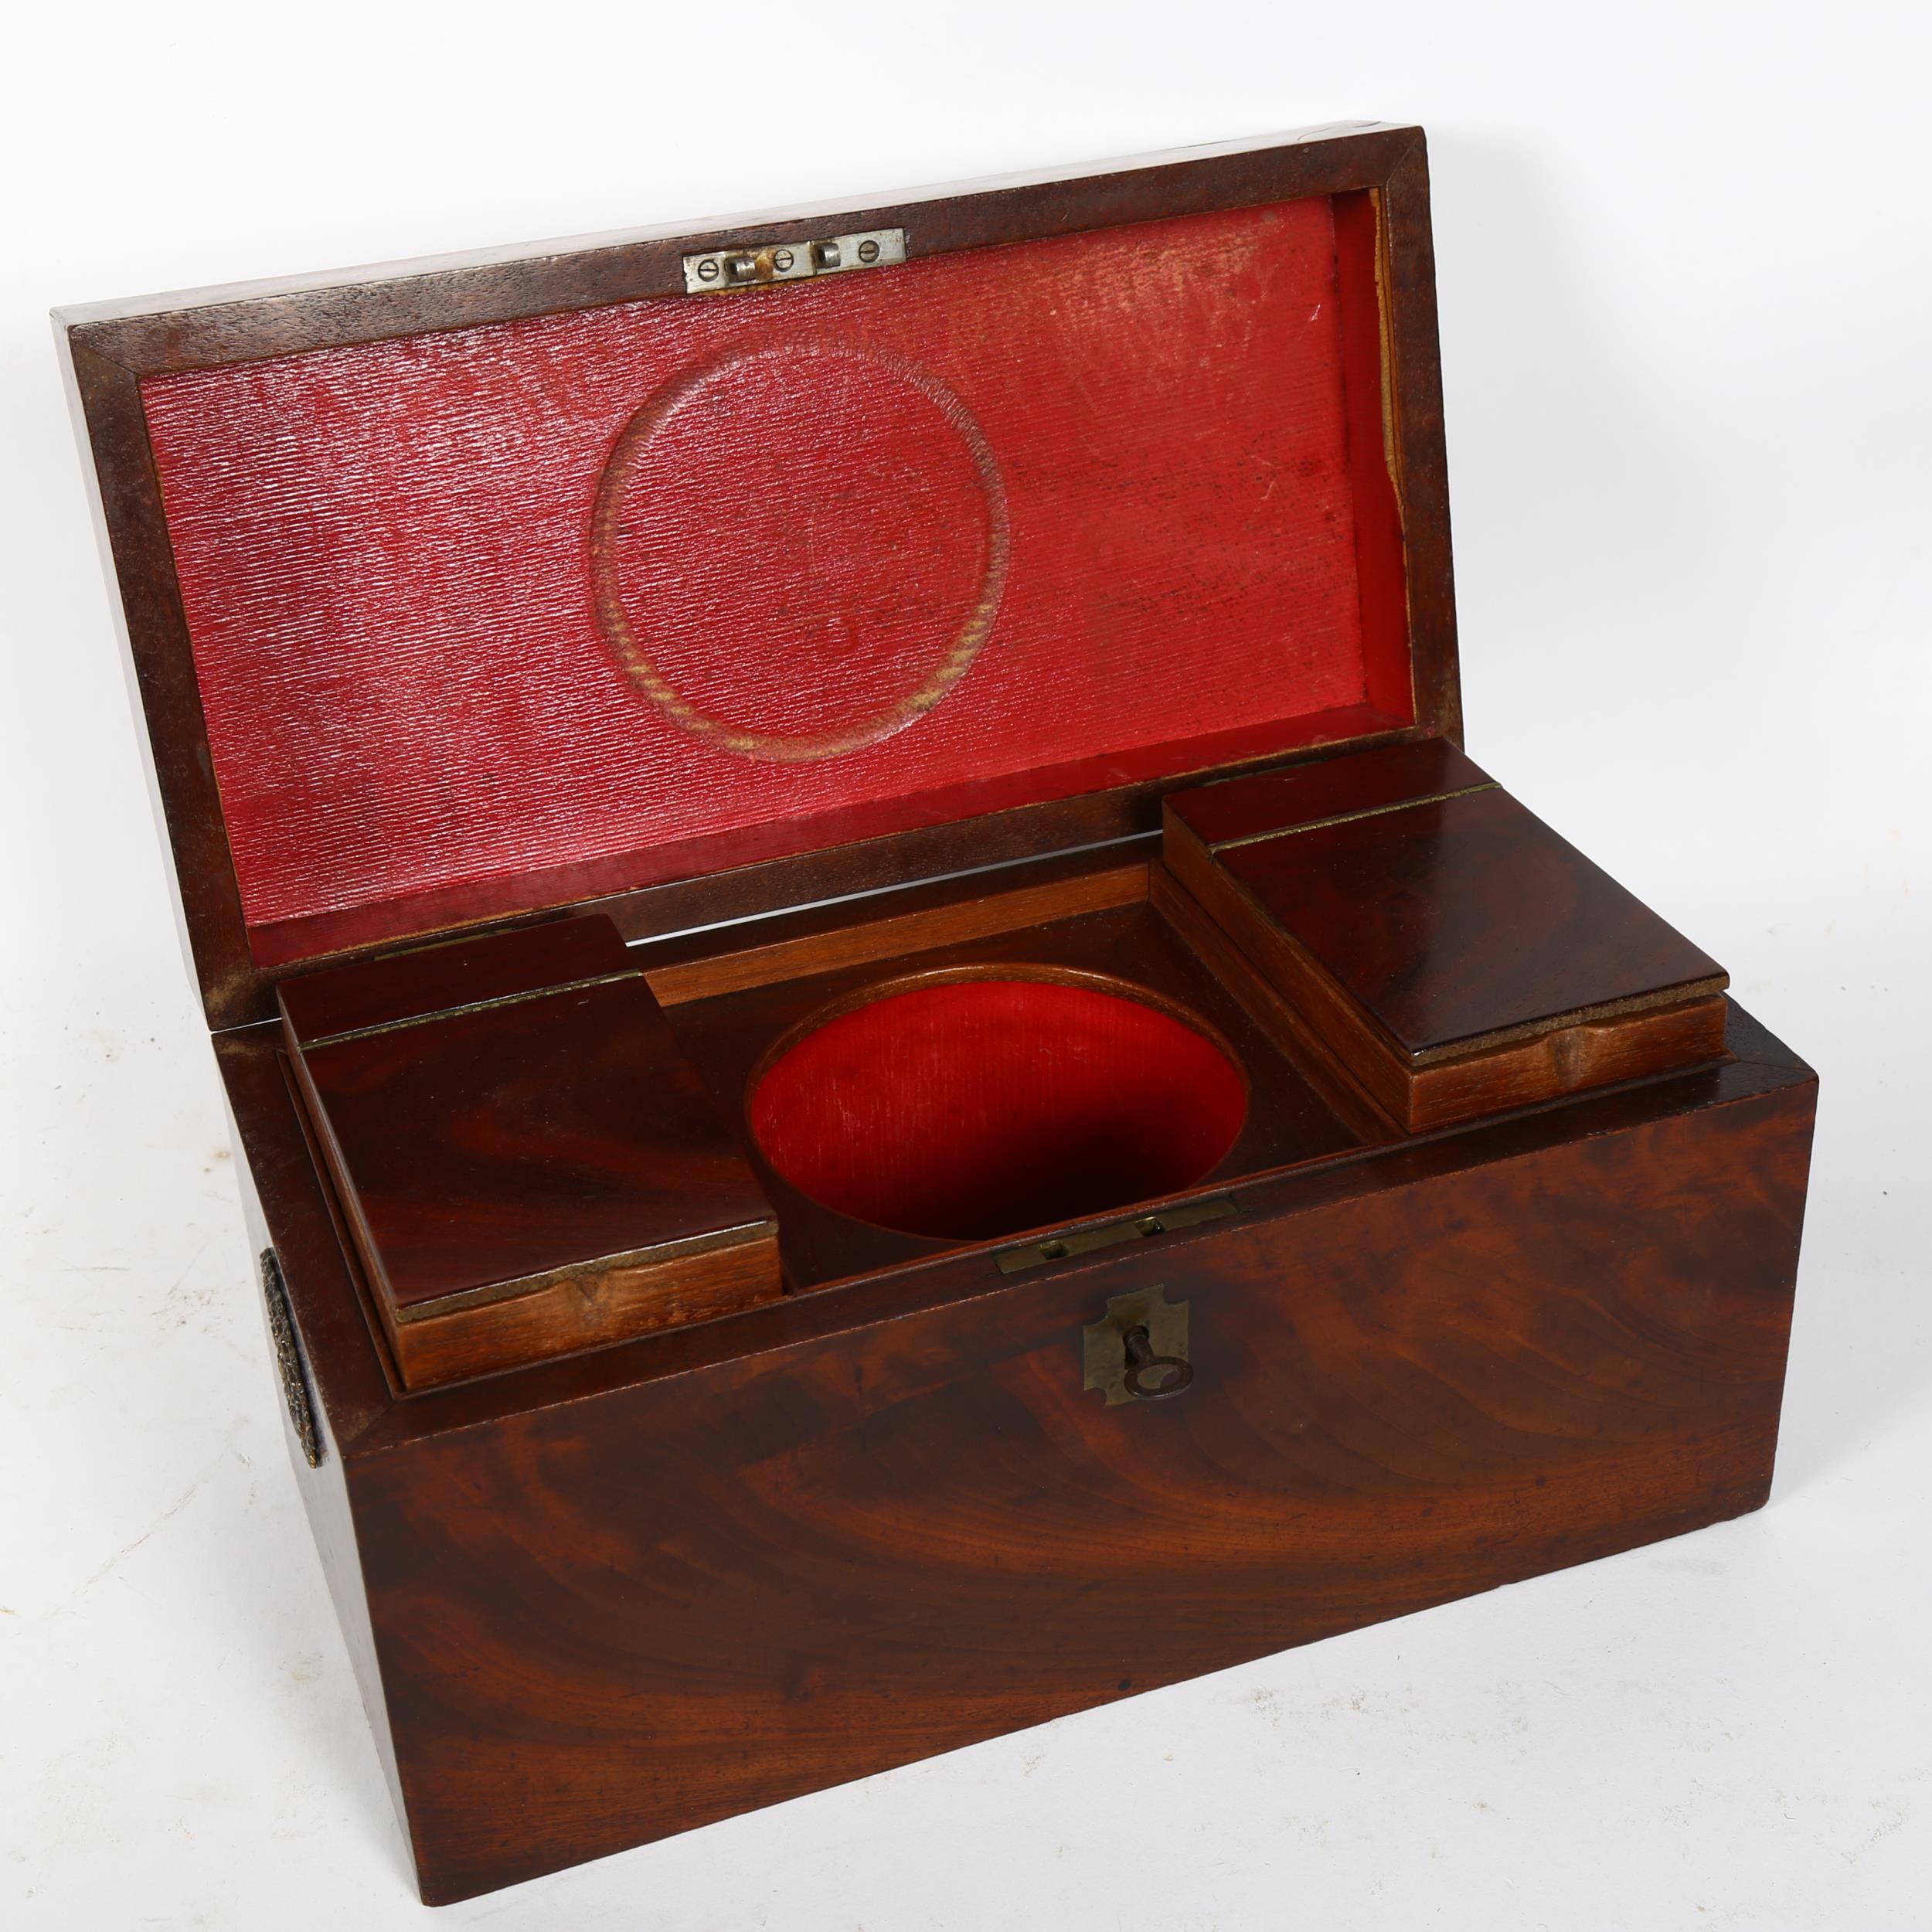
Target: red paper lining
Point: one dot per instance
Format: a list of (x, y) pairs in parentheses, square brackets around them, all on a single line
[(1135, 444)]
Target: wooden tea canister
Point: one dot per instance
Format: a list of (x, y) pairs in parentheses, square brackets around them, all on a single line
[(526, 1162), (1460, 956)]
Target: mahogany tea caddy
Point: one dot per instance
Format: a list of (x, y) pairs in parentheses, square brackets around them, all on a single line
[(892, 1078)]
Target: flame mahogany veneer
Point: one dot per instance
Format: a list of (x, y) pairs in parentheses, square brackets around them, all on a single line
[(666, 793), (526, 1163), (1457, 954)]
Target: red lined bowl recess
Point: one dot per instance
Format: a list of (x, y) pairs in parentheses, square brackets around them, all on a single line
[(969, 1109)]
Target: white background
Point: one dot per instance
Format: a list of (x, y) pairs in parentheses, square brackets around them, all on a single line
[(1685, 319)]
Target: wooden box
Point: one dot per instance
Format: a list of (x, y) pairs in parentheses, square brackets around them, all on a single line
[(893, 1078)]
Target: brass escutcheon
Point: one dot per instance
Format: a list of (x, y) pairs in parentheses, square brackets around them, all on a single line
[(1138, 1350)]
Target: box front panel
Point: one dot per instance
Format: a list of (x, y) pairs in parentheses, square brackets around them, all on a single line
[(618, 1618)]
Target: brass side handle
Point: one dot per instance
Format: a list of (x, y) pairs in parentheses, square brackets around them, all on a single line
[(289, 1369)]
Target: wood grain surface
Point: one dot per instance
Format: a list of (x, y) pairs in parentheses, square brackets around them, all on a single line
[(1339, 785), (1299, 1040), (535, 1171), (1461, 920), (1452, 950), (624, 1593), (731, 1587), (473, 971), (838, 936)]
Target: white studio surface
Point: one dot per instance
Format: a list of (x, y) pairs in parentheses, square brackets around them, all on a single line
[(1685, 298)]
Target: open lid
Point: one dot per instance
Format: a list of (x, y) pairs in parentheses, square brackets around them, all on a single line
[(703, 574)]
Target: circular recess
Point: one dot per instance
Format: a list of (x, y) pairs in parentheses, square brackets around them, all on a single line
[(798, 549), (969, 1108)]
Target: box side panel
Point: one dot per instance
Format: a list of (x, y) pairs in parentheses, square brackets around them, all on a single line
[(610, 1619), (324, 1488)]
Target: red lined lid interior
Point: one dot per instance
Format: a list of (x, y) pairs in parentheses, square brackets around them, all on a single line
[(516, 614), (976, 1108)]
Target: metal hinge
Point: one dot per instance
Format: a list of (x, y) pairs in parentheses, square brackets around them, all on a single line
[(763, 264)]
